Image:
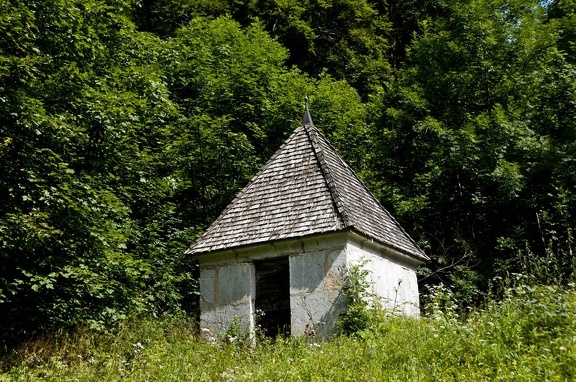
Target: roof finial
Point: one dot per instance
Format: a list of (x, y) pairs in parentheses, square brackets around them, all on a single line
[(307, 120)]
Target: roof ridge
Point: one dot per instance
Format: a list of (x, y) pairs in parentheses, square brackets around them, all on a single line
[(332, 186), (339, 206)]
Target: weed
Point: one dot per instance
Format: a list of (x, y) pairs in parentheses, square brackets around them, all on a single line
[(440, 303), (358, 297), (236, 334), (529, 335)]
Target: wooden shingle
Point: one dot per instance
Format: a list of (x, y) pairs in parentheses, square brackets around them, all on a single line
[(305, 188)]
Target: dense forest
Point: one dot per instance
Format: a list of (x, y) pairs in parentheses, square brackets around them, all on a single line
[(126, 126)]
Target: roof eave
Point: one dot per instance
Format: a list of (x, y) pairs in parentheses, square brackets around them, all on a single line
[(234, 250), (418, 257)]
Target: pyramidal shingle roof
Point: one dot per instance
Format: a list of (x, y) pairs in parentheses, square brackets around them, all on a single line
[(305, 188)]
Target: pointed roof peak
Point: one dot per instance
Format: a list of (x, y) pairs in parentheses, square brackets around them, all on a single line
[(305, 188), (307, 119)]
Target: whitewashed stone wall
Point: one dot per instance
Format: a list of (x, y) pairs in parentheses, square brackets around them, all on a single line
[(316, 300), (226, 292), (392, 277), (317, 275)]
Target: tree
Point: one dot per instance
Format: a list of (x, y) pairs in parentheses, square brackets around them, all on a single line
[(564, 12), (118, 148), (345, 38), (83, 106), (237, 104), (467, 142)]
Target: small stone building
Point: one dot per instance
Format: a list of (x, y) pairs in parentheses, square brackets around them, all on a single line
[(278, 253)]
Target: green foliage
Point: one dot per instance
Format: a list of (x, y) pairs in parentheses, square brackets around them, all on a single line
[(82, 103), (358, 298), (236, 334), (238, 103), (529, 335), (346, 38), (473, 143), (440, 303), (564, 12), (119, 146)]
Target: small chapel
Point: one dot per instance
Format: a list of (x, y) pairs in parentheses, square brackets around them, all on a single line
[(277, 256)]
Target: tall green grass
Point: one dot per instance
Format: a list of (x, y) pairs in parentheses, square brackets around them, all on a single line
[(529, 336)]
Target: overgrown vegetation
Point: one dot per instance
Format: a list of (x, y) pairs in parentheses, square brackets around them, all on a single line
[(359, 301), (528, 336), (127, 126)]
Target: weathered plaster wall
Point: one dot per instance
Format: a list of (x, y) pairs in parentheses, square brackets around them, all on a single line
[(317, 274), (316, 300), (227, 283), (392, 279), (226, 292)]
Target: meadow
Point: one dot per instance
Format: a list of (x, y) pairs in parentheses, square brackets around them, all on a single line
[(528, 335)]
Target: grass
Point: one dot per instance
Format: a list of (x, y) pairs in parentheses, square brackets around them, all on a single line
[(530, 336)]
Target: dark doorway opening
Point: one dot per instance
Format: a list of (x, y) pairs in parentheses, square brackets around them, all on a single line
[(273, 296)]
